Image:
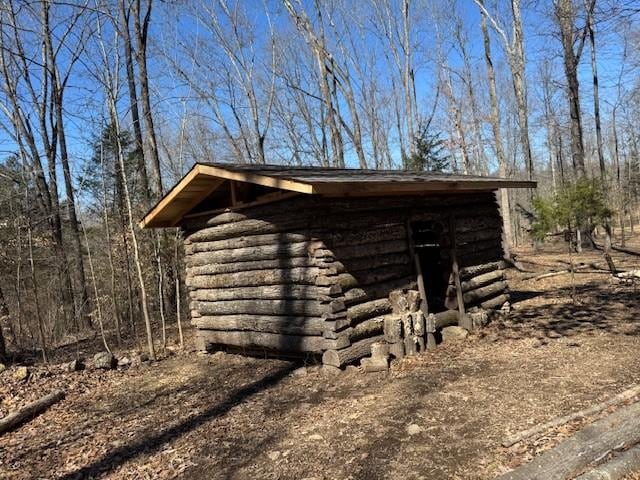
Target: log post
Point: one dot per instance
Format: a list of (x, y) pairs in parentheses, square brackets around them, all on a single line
[(424, 306), (456, 271)]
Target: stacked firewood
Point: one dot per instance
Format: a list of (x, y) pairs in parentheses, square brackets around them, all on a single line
[(483, 286)]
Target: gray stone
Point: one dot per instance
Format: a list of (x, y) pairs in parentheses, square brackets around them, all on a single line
[(299, 372), (414, 429), (3, 367), (74, 366), (315, 437), (454, 334), (21, 374), (124, 362), (274, 455), (104, 360)]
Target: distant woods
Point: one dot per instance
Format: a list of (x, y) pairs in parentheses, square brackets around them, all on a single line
[(106, 103)]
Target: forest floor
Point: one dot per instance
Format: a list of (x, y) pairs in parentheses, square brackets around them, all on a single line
[(439, 415)]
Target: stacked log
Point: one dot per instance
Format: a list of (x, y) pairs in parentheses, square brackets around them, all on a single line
[(483, 286), (319, 280)]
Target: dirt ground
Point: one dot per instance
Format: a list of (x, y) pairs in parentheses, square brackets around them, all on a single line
[(440, 415)]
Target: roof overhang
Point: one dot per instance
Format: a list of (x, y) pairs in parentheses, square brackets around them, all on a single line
[(203, 179)]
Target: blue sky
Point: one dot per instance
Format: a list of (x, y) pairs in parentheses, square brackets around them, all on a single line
[(86, 104)]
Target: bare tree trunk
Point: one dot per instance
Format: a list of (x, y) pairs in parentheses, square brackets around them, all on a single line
[(141, 29), (519, 86), (596, 94), (95, 290), (34, 283), (134, 238), (514, 49), (4, 318), (178, 293), (457, 123), (125, 13), (408, 79), (107, 229), (82, 309), (497, 135), (18, 283), (480, 163), (57, 86), (616, 156), (565, 15), (57, 93), (110, 85)]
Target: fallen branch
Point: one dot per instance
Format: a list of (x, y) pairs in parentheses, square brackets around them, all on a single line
[(538, 430), (619, 248), (590, 445), (617, 468), (627, 250), (514, 263), (561, 272), (29, 411)]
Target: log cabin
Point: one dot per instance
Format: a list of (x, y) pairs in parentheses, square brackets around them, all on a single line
[(329, 262)]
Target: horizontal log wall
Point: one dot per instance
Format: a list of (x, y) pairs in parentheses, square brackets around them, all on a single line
[(318, 271)]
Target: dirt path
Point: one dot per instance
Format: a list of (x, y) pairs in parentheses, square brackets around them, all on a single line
[(436, 416)]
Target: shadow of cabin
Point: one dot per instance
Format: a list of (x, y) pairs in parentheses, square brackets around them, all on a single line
[(293, 273)]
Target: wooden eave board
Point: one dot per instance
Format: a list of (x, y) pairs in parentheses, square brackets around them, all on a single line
[(204, 178)]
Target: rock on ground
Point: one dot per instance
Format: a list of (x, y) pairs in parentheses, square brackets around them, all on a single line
[(104, 360), (124, 362), (454, 334), (74, 366), (414, 429), (21, 374)]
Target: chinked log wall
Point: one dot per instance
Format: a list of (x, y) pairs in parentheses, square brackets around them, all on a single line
[(312, 274)]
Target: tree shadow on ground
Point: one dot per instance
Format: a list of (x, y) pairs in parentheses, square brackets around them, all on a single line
[(154, 442), (598, 309)]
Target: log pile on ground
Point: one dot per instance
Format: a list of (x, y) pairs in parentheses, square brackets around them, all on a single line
[(482, 286)]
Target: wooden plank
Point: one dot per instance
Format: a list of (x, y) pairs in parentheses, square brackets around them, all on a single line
[(355, 189), (256, 178), (345, 356), (308, 308), (261, 200), (257, 278), (248, 254), (168, 211), (268, 292), (594, 442), (269, 341), (619, 467), (454, 266), (424, 305), (538, 430), (362, 311), (262, 323)]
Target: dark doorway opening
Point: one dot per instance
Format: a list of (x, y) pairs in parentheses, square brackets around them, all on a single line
[(428, 242)]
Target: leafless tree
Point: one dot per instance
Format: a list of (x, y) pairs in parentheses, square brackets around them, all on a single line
[(40, 94), (513, 45), (573, 40)]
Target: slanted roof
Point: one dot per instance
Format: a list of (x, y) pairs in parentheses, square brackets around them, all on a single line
[(223, 184)]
